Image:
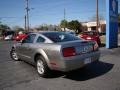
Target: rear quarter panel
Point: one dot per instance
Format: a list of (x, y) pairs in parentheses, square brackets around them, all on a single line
[(50, 52)]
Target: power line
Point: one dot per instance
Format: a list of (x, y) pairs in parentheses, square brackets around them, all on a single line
[(70, 13), (10, 17), (49, 3), (16, 21)]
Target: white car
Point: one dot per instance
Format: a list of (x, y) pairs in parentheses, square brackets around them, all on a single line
[(8, 37)]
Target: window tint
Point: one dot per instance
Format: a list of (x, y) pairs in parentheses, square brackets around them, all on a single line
[(29, 39), (40, 39), (60, 37)]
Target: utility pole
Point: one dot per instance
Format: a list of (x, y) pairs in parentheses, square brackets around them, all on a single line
[(27, 16), (64, 19), (25, 23), (97, 16)]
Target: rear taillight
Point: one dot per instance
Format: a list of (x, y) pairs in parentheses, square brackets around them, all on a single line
[(95, 47), (69, 51)]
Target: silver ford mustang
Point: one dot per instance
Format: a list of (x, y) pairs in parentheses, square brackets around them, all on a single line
[(55, 51)]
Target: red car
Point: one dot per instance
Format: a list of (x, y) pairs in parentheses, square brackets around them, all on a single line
[(19, 37), (91, 35)]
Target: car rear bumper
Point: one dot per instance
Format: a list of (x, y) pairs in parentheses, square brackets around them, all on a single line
[(73, 63)]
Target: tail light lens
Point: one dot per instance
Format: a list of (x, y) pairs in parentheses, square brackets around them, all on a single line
[(69, 51), (95, 47)]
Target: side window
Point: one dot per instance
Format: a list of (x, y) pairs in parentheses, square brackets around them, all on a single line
[(30, 38), (40, 39)]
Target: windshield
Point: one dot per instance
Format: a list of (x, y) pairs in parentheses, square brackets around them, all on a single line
[(60, 37)]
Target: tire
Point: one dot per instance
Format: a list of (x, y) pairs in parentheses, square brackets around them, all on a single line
[(13, 55), (42, 67)]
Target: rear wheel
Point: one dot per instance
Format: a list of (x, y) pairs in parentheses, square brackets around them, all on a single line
[(13, 55), (42, 67)]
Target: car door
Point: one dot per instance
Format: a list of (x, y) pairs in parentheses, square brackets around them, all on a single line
[(33, 47), (26, 47)]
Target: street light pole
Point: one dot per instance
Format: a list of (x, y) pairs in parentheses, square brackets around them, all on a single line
[(97, 16)]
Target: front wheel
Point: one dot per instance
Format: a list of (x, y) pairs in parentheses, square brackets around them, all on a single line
[(13, 55), (42, 67)]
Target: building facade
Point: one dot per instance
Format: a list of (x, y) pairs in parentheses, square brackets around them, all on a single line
[(92, 25)]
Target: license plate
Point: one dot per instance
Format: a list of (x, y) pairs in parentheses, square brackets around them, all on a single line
[(87, 61)]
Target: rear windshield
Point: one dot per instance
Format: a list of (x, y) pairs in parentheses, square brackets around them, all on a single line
[(60, 37), (90, 33)]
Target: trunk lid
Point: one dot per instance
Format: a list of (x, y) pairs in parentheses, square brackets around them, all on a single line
[(80, 46)]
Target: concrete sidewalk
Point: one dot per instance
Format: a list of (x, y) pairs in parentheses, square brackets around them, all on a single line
[(113, 51)]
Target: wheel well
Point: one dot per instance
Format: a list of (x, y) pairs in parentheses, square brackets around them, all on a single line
[(36, 55)]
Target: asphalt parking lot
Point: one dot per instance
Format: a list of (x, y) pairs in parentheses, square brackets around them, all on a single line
[(19, 75)]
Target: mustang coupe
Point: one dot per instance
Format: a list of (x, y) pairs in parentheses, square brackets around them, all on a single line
[(55, 51), (91, 35)]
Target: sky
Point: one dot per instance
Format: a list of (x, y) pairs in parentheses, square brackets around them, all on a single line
[(12, 12)]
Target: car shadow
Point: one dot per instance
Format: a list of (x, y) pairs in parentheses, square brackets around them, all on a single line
[(90, 71)]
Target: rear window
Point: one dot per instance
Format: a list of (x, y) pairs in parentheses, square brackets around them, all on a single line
[(90, 33), (60, 37)]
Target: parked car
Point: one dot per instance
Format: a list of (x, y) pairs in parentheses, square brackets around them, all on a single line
[(55, 51), (8, 37), (19, 37), (91, 35)]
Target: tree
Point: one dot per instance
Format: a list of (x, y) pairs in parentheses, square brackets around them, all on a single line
[(3, 28), (42, 27), (47, 27), (75, 25), (63, 24), (18, 28)]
